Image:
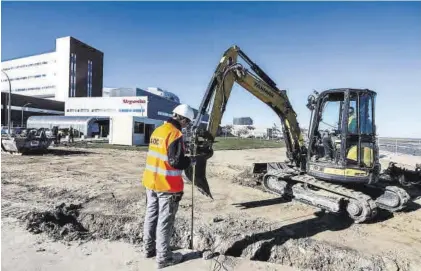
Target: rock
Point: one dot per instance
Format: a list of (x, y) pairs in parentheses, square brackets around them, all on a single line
[(217, 219), (207, 255), (63, 231), (390, 264)]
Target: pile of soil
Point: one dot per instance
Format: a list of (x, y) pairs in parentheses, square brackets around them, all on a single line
[(59, 223)]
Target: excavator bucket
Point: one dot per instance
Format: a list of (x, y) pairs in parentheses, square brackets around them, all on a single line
[(405, 177), (200, 180)]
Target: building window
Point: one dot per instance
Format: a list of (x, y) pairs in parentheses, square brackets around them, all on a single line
[(33, 88), (25, 77), (72, 75), (26, 65), (139, 127), (89, 87)]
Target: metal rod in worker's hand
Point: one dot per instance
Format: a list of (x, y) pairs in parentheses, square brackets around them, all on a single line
[(192, 205)]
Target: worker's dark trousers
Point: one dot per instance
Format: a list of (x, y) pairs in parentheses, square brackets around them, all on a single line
[(158, 227)]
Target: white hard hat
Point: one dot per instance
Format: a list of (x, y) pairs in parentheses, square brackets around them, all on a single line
[(185, 111)]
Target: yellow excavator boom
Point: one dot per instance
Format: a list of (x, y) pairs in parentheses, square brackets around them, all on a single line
[(230, 71)]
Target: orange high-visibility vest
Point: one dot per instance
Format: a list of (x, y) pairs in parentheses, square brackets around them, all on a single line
[(159, 175)]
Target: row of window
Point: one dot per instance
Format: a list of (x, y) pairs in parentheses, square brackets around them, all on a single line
[(72, 75), (89, 78), (25, 77), (26, 65), (34, 88)]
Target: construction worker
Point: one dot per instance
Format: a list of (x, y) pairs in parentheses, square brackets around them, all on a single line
[(71, 134), (55, 134), (164, 185)]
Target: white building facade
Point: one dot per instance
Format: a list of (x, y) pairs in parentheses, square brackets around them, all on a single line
[(132, 119), (74, 69), (73, 75), (32, 76)]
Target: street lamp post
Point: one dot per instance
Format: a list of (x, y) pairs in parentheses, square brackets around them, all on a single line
[(21, 123), (9, 113)]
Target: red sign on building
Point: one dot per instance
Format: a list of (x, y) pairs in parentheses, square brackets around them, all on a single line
[(137, 101)]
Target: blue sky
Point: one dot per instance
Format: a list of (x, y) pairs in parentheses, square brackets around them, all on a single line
[(301, 45)]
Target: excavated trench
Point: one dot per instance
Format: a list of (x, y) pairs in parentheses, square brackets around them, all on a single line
[(253, 239)]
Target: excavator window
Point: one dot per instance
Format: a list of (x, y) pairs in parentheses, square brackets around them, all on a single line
[(330, 116), (328, 131), (360, 130), (366, 110)]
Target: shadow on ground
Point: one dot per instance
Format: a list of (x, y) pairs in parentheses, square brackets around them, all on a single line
[(193, 255), (58, 152), (412, 206), (414, 191), (260, 203), (306, 228), (384, 215)]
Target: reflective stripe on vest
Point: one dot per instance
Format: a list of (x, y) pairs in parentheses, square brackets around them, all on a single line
[(161, 171), (158, 155)]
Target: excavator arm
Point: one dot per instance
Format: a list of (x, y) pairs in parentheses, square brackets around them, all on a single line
[(259, 84)]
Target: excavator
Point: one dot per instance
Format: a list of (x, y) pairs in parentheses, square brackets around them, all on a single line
[(336, 168)]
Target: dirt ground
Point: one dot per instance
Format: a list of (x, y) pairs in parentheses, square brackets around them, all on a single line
[(24, 251), (92, 200)]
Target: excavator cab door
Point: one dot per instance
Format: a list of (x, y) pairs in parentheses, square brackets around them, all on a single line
[(360, 134), (342, 142)]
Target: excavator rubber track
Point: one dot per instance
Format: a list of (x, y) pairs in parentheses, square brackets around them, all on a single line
[(333, 197)]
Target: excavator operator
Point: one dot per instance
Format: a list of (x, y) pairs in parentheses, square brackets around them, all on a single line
[(326, 137), (327, 146), (164, 185)]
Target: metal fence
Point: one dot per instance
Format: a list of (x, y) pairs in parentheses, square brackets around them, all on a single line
[(402, 146), (397, 146)]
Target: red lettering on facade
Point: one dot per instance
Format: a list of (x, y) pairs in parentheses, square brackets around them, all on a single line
[(139, 101)]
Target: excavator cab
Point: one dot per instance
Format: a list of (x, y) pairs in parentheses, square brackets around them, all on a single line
[(342, 136)]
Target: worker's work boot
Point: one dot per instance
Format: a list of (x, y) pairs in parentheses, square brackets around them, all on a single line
[(150, 254), (173, 260)]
